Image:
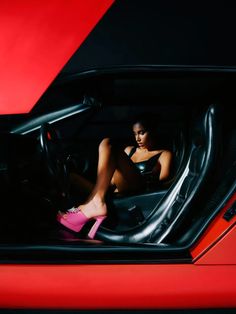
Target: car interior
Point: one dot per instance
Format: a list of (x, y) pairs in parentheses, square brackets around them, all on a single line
[(194, 120)]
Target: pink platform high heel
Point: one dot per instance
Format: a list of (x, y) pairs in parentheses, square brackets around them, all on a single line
[(74, 219)]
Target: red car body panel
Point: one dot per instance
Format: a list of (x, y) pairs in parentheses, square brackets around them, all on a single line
[(117, 286), (223, 252), (37, 39), (220, 230)]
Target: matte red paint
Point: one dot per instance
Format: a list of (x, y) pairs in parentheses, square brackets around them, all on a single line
[(216, 230), (37, 38), (223, 252), (117, 286)]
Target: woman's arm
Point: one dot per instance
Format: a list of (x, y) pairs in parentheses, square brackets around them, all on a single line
[(165, 161)]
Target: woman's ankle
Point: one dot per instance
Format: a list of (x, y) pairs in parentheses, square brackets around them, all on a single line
[(95, 207), (98, 199)]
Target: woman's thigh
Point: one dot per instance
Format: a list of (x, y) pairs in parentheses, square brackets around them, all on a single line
[(126, 176)]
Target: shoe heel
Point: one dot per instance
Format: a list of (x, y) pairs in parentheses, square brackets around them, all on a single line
[(95, 226)]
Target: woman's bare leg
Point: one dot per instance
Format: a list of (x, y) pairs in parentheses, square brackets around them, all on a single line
[(117, 168)]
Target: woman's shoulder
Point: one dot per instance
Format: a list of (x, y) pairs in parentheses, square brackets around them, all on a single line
[(165, 151), (129, 149), (165, 154)]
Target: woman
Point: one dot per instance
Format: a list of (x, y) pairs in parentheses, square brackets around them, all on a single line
[(128, 170)]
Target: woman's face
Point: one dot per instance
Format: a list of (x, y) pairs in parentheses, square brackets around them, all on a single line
[(142, 136)]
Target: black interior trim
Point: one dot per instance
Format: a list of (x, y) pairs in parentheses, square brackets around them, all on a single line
[(93, 254)]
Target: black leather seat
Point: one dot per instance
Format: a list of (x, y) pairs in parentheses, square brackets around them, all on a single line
[(179, 201), (223, 188)]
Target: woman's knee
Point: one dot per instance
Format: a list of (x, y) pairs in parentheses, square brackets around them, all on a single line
[(105, 143)]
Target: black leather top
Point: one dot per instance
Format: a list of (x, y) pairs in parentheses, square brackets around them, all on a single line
[(145, 167)]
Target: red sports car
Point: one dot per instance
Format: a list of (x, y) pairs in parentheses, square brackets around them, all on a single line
[(168, 248)]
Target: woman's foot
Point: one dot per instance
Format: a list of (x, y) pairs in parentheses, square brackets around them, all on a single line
[(76, 217), (95, 207)]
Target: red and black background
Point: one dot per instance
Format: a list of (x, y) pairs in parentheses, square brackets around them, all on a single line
[(38, 38)]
